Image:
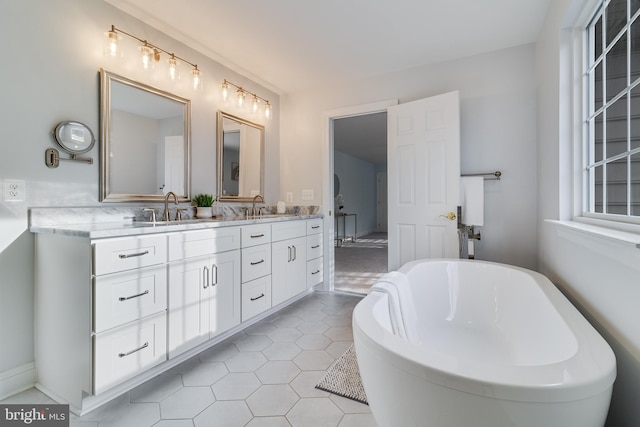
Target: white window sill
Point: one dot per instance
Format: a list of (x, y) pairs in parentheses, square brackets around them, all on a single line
[(629, 236)]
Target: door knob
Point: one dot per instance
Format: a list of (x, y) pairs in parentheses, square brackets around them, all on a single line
[(450, 216)]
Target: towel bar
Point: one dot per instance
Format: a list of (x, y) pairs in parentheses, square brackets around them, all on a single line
[(493, 175)]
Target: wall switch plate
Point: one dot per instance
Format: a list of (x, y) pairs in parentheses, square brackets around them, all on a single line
[(13, 190), (307, 194), (289, 197)]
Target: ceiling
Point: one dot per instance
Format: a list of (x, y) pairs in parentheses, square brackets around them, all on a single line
[(292, 45), (363, 137)]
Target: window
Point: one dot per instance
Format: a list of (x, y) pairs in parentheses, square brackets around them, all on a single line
[(612, 122)]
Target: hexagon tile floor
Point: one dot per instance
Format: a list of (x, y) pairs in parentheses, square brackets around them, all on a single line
[(262, 376)]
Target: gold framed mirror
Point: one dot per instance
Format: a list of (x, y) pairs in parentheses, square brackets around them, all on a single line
[(146, 142), (240, 150)]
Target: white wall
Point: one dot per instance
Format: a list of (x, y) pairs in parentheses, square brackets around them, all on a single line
[(358, 187), (599, 275), (498, 131), (53, 51)]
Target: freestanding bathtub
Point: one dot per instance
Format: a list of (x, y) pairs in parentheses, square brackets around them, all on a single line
[(483, 344)]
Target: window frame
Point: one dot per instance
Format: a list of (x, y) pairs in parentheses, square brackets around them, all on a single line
[(584, 188)]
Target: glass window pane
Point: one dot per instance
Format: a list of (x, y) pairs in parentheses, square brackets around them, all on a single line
[(635, 5), (616, 134), (598, 146), (616, 73), (634, 115), (597, 193), (597, 38), (635, 184), (617, 187), (616, 18), (634, 54), (597, 87)]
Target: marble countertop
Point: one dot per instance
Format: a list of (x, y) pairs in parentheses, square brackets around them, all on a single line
[(98, 230)]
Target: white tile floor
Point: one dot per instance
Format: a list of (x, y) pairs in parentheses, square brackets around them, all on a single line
[(262, 376)]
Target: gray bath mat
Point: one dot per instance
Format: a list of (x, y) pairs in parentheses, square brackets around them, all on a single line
[(343, 378)]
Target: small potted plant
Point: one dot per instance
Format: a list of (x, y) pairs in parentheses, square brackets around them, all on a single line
[(204, 203)]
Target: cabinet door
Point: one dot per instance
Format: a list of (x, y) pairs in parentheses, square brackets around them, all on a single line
[(225, 303), (189, 294), (289, 269)]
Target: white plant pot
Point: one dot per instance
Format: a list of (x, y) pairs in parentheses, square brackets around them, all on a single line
[(204, 211)]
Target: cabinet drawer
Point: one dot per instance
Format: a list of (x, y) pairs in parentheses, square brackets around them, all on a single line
[(256, 262), (203, 242), (256, 297), (314, 246), (257, 234), (314, 272), (114, 255), (288, 230), (314, 226), (124, 352), (124, 297)]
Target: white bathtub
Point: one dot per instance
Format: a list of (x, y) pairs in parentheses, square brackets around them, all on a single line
[(488, 345)]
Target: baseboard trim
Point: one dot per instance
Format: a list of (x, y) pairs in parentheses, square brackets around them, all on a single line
[(17, 380)]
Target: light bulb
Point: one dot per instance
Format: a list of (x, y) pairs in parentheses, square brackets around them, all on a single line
[(147, 56), (267, 110), (241, 95), (111, 44), (196, 77), (173, 68), (225, 90), (254, 103)]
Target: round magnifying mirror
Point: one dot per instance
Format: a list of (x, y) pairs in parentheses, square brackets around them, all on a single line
[(74, 137), (336, 185)]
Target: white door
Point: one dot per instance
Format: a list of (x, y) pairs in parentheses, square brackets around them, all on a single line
[(423, 151), (173, 179)]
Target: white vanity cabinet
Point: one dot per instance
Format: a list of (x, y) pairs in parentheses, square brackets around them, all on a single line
[(101, 312), (204, 286), (314, 252), (114, 308), (289, 260)]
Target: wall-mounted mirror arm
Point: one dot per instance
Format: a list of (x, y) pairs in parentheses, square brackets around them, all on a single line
[(52, 158)]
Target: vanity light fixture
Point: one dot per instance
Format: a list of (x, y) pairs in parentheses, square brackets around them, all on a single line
[(242, 93), (150, 55)]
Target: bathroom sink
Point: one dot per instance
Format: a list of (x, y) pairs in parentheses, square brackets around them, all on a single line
[(174, 222)]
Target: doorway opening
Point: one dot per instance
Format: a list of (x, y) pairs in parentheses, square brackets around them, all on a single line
[(360, 200)]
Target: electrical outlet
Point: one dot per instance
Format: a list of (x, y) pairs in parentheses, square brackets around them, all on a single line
[(13, 190), (289, 197), (307, 194)]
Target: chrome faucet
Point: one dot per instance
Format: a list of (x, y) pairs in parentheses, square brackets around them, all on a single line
[(253, 207), (165, 215)]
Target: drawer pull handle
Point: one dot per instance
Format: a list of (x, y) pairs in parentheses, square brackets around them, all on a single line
[(257, 262), (133, 296), (123, 256), (257, 298), (315, 226), (315, 272), (145, 345), (256, 236), (315, 247)]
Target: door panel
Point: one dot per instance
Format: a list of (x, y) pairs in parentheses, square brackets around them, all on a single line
[(424, 178)]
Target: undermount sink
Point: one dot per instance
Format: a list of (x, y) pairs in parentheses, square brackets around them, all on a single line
[(176, 222)]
